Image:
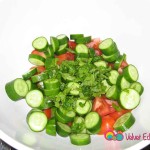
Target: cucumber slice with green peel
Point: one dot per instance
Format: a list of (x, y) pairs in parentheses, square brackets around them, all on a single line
[(51, 127), (124, 122), (111, 58), (40, 44), (106, 84), (112, 78), (82, 107), (101, 63), (93, 122), (36, 60), (51, 83), (55, 43), (113, 93), (74, 88), (34, 98), (62, 49), (76, 36), (67, 115), (129, 98), (63, 129), (122, 82), (31, 86), (81, 49), (51, 92), (108, 47), (39, 77), (131, 73), (63, 39), (29, 74), (80, 139), (83, 40), (49, 52), (138, 87), (37, 120), (16, 89), (60, 118), (119, 61)]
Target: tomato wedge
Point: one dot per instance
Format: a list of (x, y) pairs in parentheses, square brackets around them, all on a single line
[(107, 124), (72, 44), (38, 53), (102, 107), (47, 113), (94, 43), (118, 114), (123, 65), (66, 56)]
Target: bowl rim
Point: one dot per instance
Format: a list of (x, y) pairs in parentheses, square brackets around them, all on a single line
[(16, 144)]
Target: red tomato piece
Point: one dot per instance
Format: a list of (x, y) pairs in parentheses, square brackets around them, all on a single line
[(47, 113), (98, 52), (101, 106), (107, 124), (123, 64), (94, 44), (118, 114), (40, 69), (72, 44), (38, 53), (66, 56)]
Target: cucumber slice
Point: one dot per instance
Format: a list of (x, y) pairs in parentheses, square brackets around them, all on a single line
[(129, 98), (16, 89), (40, 44), (62, 39), (55, 43), (49, 52), (39, 77), (51, 92), (131, 73), (124, 122), (108, 47), (76, 36), (37, 120), (93, 122), (74, 88), (62, 49), (82, 106), (101, 63), (83, 40), (36, 60), (34, 98), (59, 117), (63, 129), (138, 87), (67, 115), (122, 82), (80, 139), (51, 83), (82, 49), (113, 93), (29, 74), (31, 86), (119, 61), (112, 78), (111, 58), (51, 127)]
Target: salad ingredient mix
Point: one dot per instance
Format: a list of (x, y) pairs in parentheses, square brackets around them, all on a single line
[(78, 87)]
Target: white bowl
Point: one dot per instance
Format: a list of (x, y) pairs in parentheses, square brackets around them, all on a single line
[(127, 22)]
